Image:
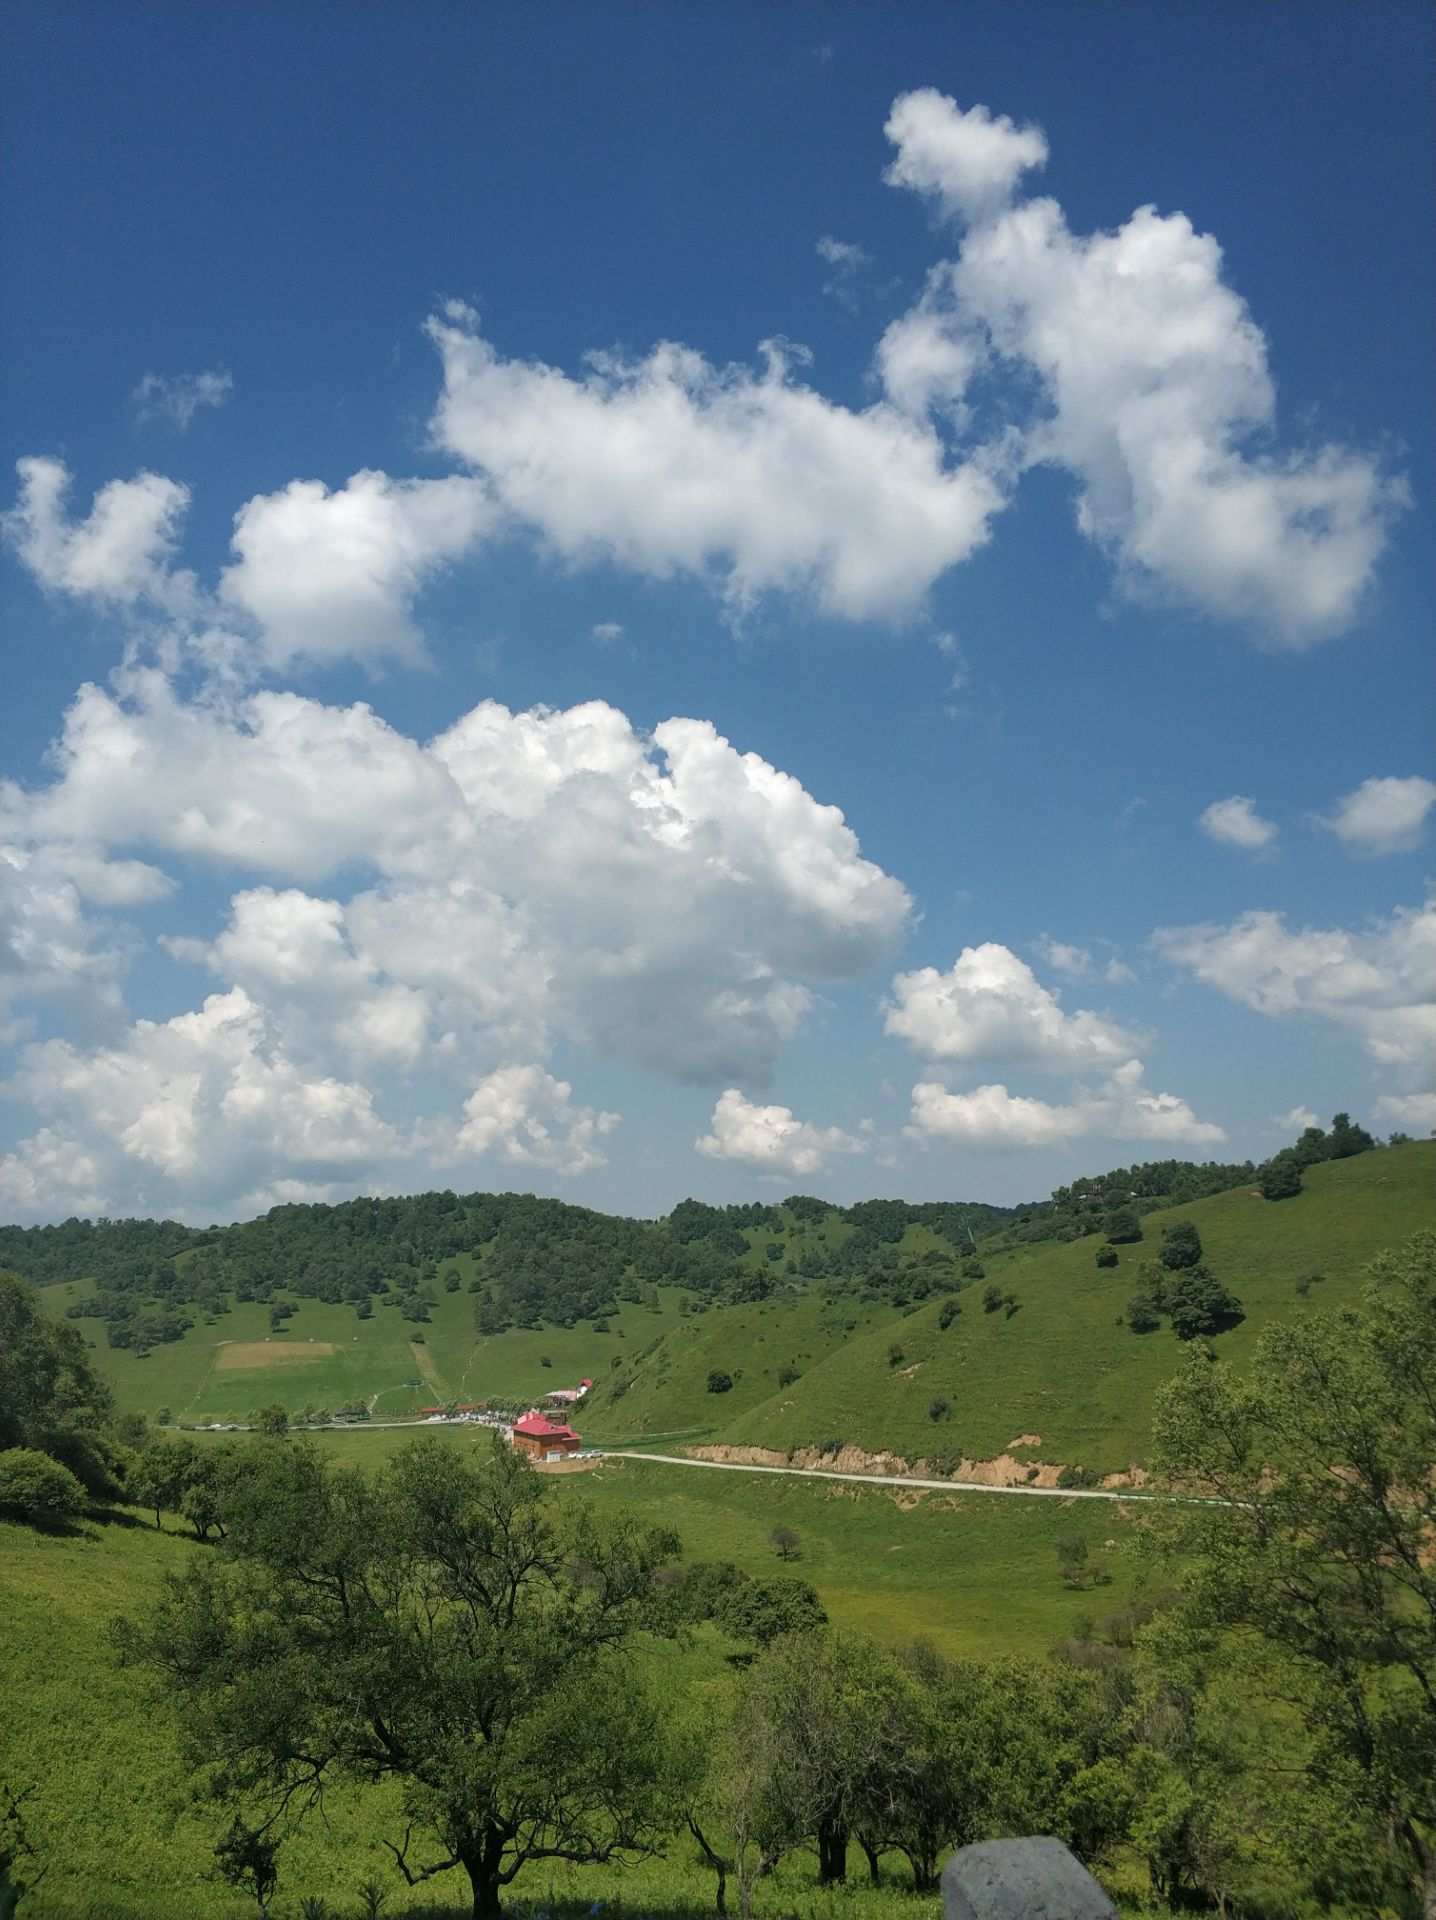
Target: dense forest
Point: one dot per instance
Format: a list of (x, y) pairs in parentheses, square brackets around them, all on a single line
[(529, 1260)]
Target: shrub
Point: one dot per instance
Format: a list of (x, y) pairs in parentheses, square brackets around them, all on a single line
[(1281, 1177), (939, 1407), (950, 1310), (1106, 1256), (788, 1374), (1196, 1302), (1142, 1316), (973, 1270), (991, 1299), (36, 1487), (896, 1356), (719, 1382), (1181, 1246), (1071, 1477), (1123, 1226)]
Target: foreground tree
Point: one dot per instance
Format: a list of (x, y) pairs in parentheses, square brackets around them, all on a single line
[(35, 1487), (1320, 1560), (430, 1625)]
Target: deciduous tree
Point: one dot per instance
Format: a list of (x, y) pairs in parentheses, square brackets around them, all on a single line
[(432, 1625), (1319, 1553)]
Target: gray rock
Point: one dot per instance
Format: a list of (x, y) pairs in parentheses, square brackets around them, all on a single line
[(1034, 1879)]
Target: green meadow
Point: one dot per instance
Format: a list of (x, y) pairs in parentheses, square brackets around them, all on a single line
[(972, 1573), (1062, 1366), (326, 1357), (813, 1366)]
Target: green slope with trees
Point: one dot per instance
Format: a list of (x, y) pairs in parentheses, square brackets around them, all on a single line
[(1064, 1362)]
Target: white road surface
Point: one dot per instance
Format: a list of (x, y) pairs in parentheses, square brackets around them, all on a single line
[(880, 1479)]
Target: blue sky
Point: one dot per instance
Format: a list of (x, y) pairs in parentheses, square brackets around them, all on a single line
[(642, 601)]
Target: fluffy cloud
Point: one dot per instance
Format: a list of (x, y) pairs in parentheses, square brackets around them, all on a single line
[(178, 397), (1403, 1111), (670, 465), (1154, 375), (970, 162), (119, 555), (990, 1005), (1383, 816), (1380, 982), (1235, 822), (527, 1118), (180, 1112), (328, 576), (1296, 1120), (520, 877), (770, 1139), (1121, 1108)]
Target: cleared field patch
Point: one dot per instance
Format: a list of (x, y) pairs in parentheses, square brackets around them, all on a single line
[(236, 1356)]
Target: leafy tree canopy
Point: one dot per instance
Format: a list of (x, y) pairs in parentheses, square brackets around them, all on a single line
[(435, 1626)]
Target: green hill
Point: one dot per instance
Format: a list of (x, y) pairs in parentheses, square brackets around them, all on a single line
[(1063, 1366), (825, 1321)]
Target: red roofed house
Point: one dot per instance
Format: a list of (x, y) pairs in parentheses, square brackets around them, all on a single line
[(543, 1438)]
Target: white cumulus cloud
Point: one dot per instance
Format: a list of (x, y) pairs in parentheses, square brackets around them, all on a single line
[(746, 476), (1120, 1108), (119, 555), (522, 876), (990, 1005), (1154, 378), (527, 1117), (1235, 822), (969, 161), (770, 1139), (333, 575), (1379, 981), (1383, 815)]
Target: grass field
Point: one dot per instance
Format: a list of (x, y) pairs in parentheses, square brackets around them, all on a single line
[(1061, 1367), (326, 1357), (971, 1572)]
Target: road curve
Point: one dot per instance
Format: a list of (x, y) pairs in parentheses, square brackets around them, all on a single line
[(878, 1479)]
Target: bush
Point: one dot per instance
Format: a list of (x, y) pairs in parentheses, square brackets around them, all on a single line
[(939, 1407), (1281, 1177), (950, 1310), (1181, 1246), (1106, 1256), (788, 1374), (991, 1299), (973, 1270), (1196, 1302), (1142, 1316), (719, 1382), (1123, 1226), (1071, 1477), (896, 1356), (35, 1487)]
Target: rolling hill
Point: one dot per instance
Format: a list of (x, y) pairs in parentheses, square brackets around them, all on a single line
[(828, 1324), (1063, 1366)]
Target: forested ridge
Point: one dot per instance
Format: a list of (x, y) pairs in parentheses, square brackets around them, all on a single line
[(530, 1260)]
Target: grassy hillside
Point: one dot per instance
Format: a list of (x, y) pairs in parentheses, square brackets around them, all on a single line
[(972, 1573), (1061, 1366), (324, 1357)]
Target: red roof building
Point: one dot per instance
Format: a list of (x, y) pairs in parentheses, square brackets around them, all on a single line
[(543, 1438)]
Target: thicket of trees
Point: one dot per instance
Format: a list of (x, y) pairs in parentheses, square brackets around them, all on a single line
[(1083, 1206)]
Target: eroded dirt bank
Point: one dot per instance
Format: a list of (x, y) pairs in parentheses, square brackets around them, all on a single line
[(1003, 1470)]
